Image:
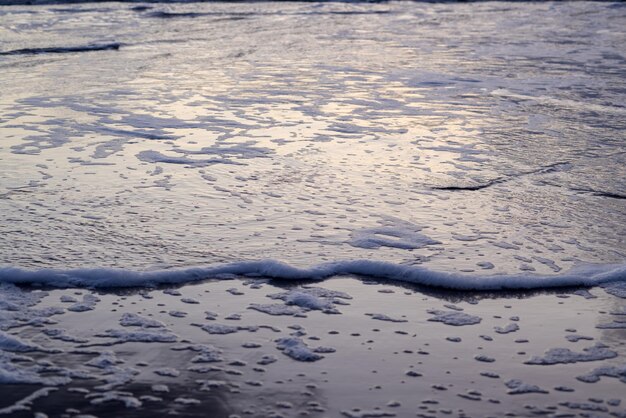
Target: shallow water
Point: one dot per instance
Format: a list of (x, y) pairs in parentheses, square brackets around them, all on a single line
[(476, 146), (378, 347), (479, 138)]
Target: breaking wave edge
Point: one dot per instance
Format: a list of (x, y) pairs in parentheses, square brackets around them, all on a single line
[(588, 275)]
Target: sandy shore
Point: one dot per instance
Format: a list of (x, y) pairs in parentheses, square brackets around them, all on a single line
[(339, 347)]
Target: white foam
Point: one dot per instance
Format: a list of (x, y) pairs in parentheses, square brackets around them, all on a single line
[(583, 275), (276, 309), (313, 298), (267, 359), (17, 373), (512, 327), (455, 318), (123, 336), (16, 307), (517, 387), (617, 324), (219, 329), (573, 338), (125, 397), (167, 372), (390, 237), (585, 406), (209, 384), (88, 304), (25, 403), (62, 335), (206, 352), (160, 388), (187, 401), (117, 376), (13, 343), (618, 372), (105, 360), (131, 319), (296, 349), (383, 317), (305, 300), (565, 355)]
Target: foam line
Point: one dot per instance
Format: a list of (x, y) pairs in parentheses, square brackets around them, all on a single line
[(584, 275)]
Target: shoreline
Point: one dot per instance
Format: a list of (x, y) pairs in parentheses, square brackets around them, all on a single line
[(586, 275)]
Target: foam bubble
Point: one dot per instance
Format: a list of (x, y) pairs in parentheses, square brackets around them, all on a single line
[(123, 336), (565, 355), (134, 320), (618, 372), (455, 318), (296, 349)]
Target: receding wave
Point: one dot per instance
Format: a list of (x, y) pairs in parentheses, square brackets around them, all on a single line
[(583, 275), (63, 49)]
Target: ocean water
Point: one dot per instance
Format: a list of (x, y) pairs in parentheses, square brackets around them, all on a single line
[(452, 176), (473, 146)]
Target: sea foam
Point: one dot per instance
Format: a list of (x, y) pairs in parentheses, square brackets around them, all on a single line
[(583, 275)]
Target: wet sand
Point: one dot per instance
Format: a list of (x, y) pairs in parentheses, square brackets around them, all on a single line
[(371, 349)]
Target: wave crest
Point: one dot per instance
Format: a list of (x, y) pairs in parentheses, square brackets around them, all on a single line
[(583, 275)]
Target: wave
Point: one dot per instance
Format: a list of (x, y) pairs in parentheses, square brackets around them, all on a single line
[(584, 275)]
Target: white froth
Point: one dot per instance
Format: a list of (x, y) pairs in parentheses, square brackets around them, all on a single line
[(512, 327), (390, 237), (584, 275), (206, 353), (105, 360), (565, 355), (455, 318), (87, 304), (517, 387), (276, 309), (125, 398), (26, 403), (12, 343), (618, 372), (18, 373), (219, 329), (131, 319), (123, 336), (296, 349), (383, 317)]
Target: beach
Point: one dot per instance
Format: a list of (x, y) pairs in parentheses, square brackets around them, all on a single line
[(324, 209)]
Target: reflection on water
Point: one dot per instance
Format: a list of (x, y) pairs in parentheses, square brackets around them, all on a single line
[(221, 132)]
